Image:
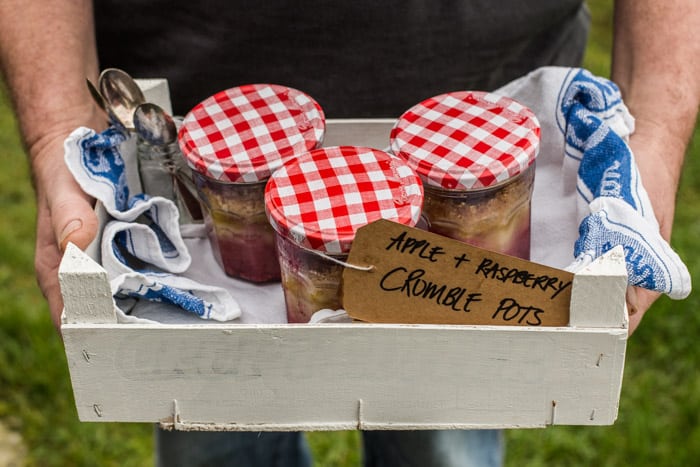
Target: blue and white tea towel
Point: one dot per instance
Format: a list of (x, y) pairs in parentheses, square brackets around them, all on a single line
[(142, 249), (588, 196)]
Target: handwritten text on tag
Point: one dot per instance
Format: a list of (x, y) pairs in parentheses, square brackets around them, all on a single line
[(421, 277)]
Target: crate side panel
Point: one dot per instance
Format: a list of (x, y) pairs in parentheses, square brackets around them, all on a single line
[(87, 295), (344, 376), (598, 292), (365, 132), (597, 364)]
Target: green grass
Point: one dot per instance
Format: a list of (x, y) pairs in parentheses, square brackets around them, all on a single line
[(659, 407)]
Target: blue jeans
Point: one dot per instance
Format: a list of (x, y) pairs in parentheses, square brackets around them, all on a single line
[(441, 448)]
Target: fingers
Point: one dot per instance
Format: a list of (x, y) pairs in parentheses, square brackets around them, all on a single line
[(64, 214), (47, 257), (638, 302), (73, 217), (46, 261), (70, 210), (69, 218)]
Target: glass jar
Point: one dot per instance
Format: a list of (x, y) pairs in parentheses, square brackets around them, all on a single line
[(475, 152), (310, 281), (163, 172), (317, 202), (240, 234), (233, 141), (495, 218)]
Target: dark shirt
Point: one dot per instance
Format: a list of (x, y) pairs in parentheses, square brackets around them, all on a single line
[(363, 58)]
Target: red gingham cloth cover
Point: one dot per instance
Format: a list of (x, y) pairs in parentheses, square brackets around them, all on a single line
[(467, 140), (320, 199), (243, 134)]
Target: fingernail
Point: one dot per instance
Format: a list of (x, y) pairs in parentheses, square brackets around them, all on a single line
[(71, 227)]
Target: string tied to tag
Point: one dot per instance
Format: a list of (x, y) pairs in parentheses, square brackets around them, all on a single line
[(343, 263)]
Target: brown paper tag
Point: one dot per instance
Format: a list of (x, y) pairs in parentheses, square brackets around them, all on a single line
[(421, 277)]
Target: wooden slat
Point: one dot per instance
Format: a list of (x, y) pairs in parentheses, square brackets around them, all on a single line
[(598, 293), (316, 377), (370, 132), (87, 297)]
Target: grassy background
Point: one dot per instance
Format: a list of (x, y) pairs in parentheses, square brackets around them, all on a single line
[(659, 406)]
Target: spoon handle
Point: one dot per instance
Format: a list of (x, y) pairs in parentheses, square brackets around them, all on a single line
[(186, 191), (102, 104), (96, 96)]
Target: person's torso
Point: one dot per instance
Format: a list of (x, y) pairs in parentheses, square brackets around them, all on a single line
[(357, 59)]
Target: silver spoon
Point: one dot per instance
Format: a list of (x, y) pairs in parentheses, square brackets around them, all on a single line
[(158, 129), (121, 94), (100, 101), (154, 124)]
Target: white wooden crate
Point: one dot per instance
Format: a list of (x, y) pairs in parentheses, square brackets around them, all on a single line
[(346, 376)]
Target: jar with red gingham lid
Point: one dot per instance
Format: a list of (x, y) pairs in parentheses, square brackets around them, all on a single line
[(475, 153), (317, 202), (233, 141)]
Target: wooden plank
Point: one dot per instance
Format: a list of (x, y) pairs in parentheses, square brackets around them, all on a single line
[(598, 292), (316, 377), (87, 296), (157, 91), (367, 132)]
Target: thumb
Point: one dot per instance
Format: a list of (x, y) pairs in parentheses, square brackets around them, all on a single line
[(72, 216), (64, 216)]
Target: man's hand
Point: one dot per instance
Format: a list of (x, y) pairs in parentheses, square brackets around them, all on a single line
[(659, 152), (45, 61), (64, 214), (655, 64)]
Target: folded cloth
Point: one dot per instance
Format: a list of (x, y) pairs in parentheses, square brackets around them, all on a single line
[(142, 247), (587, 177)]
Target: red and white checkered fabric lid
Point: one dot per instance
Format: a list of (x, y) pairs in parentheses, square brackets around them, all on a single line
[(243, 134), (467, 140), (320, 199)]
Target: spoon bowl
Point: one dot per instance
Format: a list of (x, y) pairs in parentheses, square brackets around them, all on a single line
[(154, 124), (100, 101), (121, 95)]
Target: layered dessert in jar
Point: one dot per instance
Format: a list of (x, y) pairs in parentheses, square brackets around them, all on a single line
[(233, 141), (241, 237), (317, 202), (475, 153)]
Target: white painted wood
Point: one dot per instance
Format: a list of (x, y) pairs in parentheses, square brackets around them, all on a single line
[(87, 297), (371, 132), (157, 91), (316, 377), (598, 292), (346, 376)]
